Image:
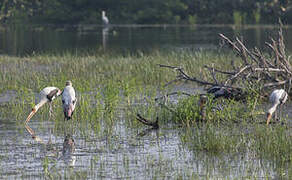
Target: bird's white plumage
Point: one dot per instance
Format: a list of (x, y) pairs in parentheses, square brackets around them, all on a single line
[(104, 18), (277, 97), (47, 90), (68, 95), (69, 100), (43, 94), (43, 99)]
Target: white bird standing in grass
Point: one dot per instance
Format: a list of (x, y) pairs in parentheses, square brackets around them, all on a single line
[(69, 100), (47, 95), (278, 97)]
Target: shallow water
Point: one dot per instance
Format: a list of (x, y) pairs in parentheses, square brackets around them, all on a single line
[(125, 152)]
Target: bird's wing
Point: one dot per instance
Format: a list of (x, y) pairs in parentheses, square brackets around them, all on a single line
[(283, 97), (52, 94)]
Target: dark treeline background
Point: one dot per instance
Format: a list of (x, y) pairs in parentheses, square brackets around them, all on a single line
[(147, 11)]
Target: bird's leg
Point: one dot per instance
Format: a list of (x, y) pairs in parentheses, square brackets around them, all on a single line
[(50, 114), (280, 112), (51, 109), (276, 114)]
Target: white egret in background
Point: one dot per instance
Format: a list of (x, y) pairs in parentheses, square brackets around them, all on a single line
[(47, 95), (278, 97), (105, 20), (69, 100)]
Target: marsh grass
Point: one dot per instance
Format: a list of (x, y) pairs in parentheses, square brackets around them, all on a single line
[(188, 112), (109, 85)]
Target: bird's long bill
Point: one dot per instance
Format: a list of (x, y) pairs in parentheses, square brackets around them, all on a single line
[(29, 130), (30, 116), (269, 116)]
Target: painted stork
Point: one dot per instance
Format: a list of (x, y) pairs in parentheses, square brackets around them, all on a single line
[(278, 97), (105, 20), (69, 100), (47, 95)]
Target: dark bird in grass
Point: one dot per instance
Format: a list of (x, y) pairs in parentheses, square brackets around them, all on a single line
[(227, 93), (69, 100), (278, 97), (47, 95)]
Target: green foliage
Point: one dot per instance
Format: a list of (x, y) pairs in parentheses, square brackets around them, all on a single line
[(192, 19), (213, 139), (145, 11), (257, 16), (188, 111), (238, 18)]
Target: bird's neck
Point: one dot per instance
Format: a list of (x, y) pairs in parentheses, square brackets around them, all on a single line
[(273, 108), (40, 104)]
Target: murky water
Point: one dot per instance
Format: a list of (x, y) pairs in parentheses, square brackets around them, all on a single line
[(157, 154), (25, 40), (127, 152)]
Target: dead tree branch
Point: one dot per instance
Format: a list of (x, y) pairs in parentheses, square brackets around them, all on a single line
[(154, 124), (256, 70)]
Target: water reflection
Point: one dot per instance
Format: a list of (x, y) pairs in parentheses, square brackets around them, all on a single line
[(105, 32), (159, 154), (68, 148), (26, 40)]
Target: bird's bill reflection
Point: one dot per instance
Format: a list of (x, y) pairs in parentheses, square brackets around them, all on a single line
[(31, 132), (68, 149)]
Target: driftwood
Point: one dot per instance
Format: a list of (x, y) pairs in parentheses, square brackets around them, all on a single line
[(147, 122), (256, 71)]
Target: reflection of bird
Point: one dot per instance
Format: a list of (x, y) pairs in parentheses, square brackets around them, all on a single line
[(48, 94), (69, 100), (68, 150), (278, 97), (105, 31), (68, 145), (105, 20)]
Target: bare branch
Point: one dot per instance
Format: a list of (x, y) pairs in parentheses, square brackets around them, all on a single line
[(154, 124)]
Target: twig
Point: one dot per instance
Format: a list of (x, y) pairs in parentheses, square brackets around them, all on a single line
[(147, 122)]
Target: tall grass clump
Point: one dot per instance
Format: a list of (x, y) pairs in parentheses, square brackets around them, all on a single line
[(214, 139), (272, 143), (188, 112)]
